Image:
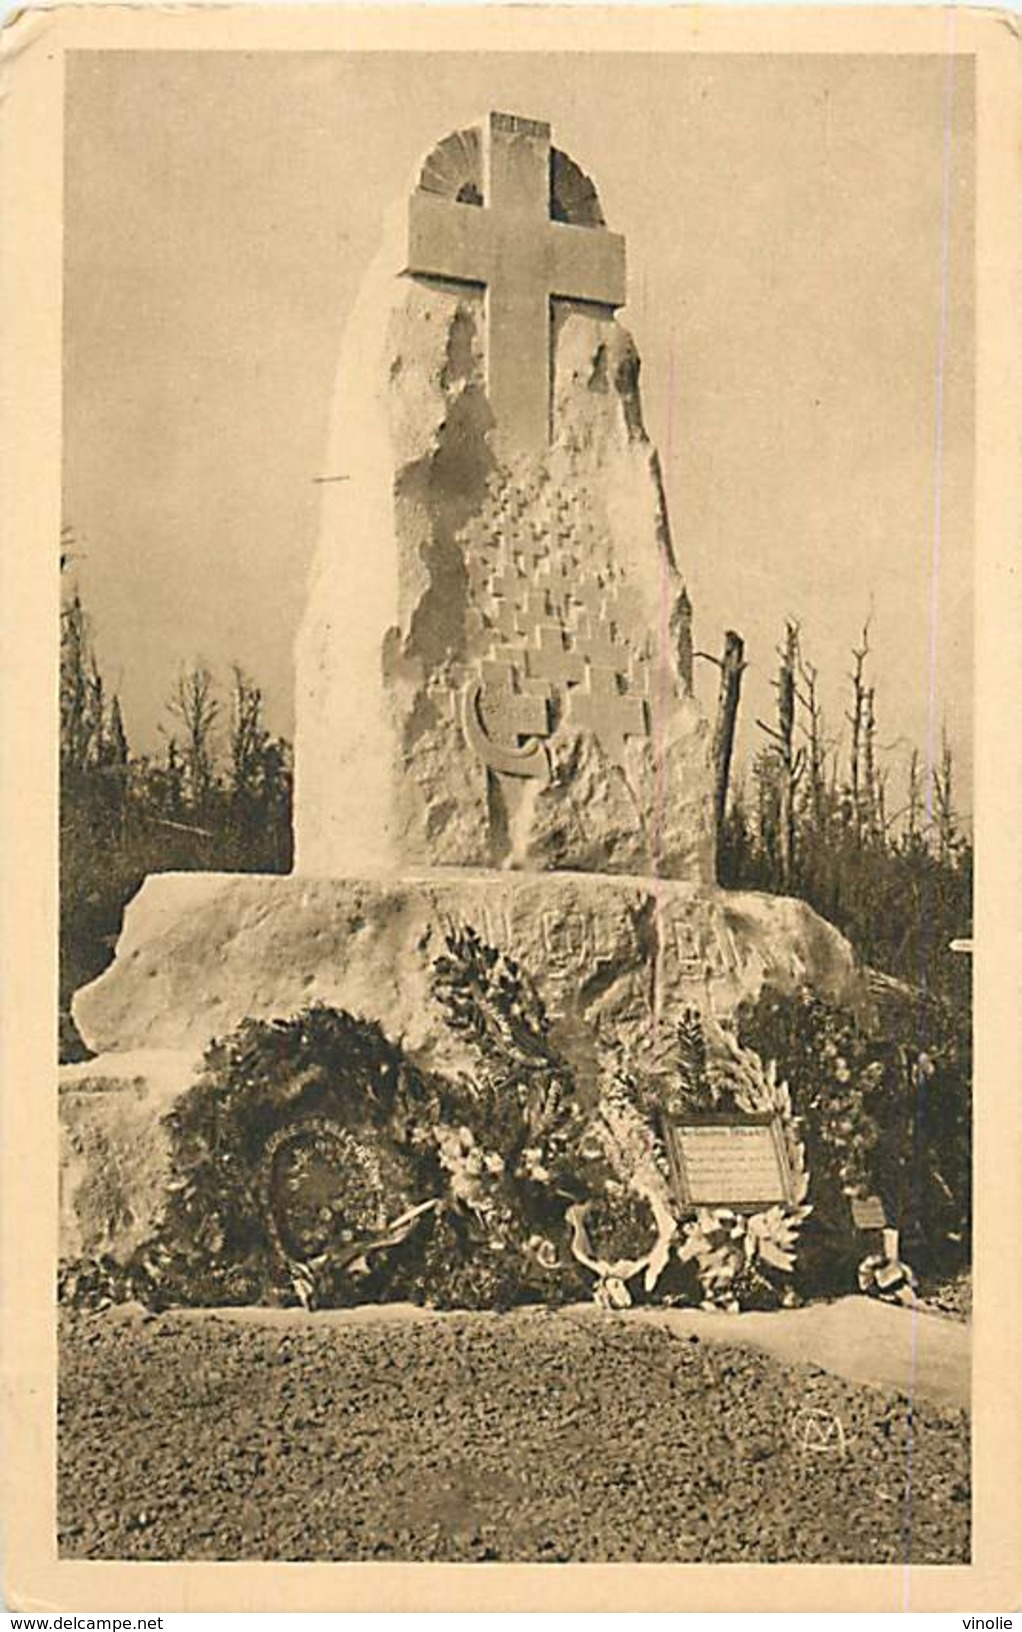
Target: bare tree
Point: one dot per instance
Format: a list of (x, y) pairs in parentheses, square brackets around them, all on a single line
[(195, 706), (117, 738), (872, 794), (732, 666), (914, 807), (248, 747), (813, 731), (943, 799), (81, 688), (789, 762), (857, 721)]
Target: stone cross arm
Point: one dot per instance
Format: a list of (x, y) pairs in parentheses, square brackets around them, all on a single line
[(468, 245)]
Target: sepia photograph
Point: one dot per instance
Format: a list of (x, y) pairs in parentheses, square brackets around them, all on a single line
[(517, 791), (427, 945)]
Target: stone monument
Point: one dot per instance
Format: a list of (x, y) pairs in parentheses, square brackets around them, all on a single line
[(496, 664), (496, 724)]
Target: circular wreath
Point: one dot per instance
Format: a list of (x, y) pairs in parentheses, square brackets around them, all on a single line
[(320, 1187), (301, 1139)]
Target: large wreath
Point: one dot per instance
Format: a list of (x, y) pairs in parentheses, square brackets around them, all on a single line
[(303, 1152)]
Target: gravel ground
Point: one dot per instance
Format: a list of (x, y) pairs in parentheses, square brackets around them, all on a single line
[(530, 1437)]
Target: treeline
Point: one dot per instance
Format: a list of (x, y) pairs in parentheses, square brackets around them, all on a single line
[(814, 817), (217, 795)]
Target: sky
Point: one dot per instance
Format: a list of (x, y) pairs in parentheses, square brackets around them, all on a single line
[(800, 261)]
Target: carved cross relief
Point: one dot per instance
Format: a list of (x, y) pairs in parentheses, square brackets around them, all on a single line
[(524, 260), (554, 640), (551, 613)]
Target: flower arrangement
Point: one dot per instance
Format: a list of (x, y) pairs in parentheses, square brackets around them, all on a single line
[(298, 1156), (315, 1163), (885, 1104), (741, 1259), (735, 1255)]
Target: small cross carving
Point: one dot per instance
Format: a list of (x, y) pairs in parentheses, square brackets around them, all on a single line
[(598, 643), (507, 713), (507, 584), (551, 661), (507, 621), (602, 708), (589, 596)]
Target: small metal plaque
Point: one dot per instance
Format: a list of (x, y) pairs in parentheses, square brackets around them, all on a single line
[(515, 125), (868, 1213), (719, 1163)]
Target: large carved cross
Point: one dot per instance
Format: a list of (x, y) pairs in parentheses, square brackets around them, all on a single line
[(524, 260)]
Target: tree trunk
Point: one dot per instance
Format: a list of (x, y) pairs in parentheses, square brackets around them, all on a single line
[(786, 738), (732, 667)]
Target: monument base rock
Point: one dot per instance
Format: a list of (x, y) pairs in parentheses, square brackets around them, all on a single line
[(616, 960), (200, 952), (115, 1158)]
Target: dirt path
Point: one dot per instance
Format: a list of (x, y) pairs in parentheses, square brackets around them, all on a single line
[(908, 1351), (533, 1436)]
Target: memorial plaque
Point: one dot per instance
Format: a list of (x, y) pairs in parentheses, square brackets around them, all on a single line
[(741, 1164)]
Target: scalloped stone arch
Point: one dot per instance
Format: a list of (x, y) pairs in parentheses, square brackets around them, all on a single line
[(454, 170), (573, 196)]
